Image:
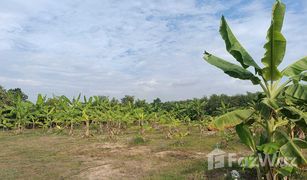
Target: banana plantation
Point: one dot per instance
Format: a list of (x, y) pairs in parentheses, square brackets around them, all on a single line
[(99, 114), (99, 137)]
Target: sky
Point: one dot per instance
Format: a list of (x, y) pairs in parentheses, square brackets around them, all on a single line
[(145, 48)]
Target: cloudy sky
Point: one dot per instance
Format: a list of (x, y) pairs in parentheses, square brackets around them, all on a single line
[(146, 48)]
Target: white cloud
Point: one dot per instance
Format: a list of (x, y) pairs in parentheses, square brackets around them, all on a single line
[(143, 48), (20, 82)]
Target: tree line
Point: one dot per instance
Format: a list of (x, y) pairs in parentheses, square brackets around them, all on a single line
[(111, 115)]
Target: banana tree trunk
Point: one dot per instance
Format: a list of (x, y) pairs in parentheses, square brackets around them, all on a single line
[(100, 128), (87, 132), (142, 131), (71, 131), (19, 128), (268, 170)]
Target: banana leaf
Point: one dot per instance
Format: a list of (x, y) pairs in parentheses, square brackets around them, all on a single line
[(234, 47), (233, 118), (276, 44), (232, 70), (296, 68)]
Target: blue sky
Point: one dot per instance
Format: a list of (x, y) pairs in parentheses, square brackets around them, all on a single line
[(145, 48)]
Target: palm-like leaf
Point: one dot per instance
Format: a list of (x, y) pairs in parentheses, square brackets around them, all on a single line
[(296, 68), (290, 148), (276, 44), (232, 70), (297, 91), (234, 47), (233, 118), (246, 136)]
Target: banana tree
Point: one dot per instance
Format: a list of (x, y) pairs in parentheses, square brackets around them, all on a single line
[(5, 122), (20, 112), (224, 108), (196, 109), (155, 118), (110, 116), (86, 114), (126, 116), (275, 112), (36, 114), (70, 112), (141, 117), (99, 111), (170, 124)]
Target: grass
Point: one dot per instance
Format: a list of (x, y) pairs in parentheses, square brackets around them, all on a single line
[(36, 154), (185, 170), (138, 140)]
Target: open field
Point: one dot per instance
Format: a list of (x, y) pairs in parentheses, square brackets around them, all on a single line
[(38, 155), (121, 95)]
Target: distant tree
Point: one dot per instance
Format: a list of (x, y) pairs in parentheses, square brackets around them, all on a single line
[(17, 92), (157, 101), (213, 103), (3, 97), (127, 99), (156, 105), (114, 101), (7, 97), (141, 103), (53, 101), (196, 108), (104, 98)]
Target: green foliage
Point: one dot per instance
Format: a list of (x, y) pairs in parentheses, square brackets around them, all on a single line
[(127, 100), (139, 140), (276, 44), (17, 92), (231, 69), (5, 122), (246, 136), (296, 68), (234, 47), (233, 118), (279, 113), (109, 115), (7, 97)]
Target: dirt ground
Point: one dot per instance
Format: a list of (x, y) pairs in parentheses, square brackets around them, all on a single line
[(39, 155)]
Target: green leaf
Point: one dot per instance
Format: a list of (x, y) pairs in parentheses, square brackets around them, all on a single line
[(249, 162), (265, 109), (297, 91), (297, 78), (300, 143), (40, 99), (232, 70), (272, 103), (233, 118), (269, 148), (296, 68), (285, 170), (290, 150), (292, 112), (246, 136), (279, 123), (276, 44), (234, 47)]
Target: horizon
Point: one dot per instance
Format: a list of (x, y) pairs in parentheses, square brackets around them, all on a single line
[(144, 49), (135, 98)]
